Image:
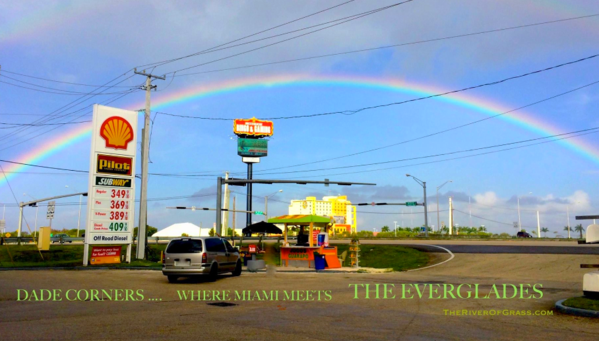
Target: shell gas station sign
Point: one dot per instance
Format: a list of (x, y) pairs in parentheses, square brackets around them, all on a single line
[(111, 198)]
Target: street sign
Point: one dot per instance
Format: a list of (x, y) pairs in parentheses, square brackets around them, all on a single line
[(252, 127), (259, 212), (423, 229), (411, 203), (51, 208), (252, 147)]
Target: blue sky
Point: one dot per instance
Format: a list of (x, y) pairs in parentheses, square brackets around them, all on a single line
[(94, 42)]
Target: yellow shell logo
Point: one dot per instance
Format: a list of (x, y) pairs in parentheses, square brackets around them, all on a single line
[(117, 132)]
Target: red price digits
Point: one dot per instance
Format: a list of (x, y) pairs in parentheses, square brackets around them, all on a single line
[(119, 215), (120, 193), (119, 205)]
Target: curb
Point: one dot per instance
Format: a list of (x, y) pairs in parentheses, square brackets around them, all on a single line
[(575, 311), (78, 268)]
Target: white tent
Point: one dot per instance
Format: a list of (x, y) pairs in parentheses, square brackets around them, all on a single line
[(176, 230)]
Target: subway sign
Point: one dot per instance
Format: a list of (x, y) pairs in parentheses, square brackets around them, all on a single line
[(252, 127), (113, 182)]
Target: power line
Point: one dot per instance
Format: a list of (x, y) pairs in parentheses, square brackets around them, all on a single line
[(60, 110), (43, 133), (54, 90), (355, 111), (242, 38), (294, 37), (42, 124), (441, 131), (388, 46), (450, 159), (70, 83), (441, 154)]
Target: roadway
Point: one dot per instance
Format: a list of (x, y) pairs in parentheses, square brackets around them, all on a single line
[(341, 317), (476, 246)]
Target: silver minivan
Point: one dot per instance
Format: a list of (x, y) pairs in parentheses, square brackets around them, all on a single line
[(210, 256)]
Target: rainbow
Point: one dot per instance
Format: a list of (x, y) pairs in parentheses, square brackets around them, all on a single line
[(46, 150), (521, 119)]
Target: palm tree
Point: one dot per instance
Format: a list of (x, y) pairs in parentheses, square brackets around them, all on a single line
[(482, 229), (579, 228), (385, 229), (545, 230)]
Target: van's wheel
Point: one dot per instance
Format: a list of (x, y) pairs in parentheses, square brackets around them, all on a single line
[(172, 279), (213, 273), (237, 270)]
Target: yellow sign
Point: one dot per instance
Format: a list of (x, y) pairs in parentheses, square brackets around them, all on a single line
[(7, 235)]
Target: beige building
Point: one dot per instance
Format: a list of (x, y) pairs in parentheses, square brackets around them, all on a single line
[(339, 208)]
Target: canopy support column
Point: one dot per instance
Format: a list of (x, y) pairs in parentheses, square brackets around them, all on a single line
[(310, 235)]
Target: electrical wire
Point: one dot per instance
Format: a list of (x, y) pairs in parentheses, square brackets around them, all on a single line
[(292, 38), (448, 159), (55, 90), (242, 38), (442, 131), (388, 46), (594, 129), (62, 82)]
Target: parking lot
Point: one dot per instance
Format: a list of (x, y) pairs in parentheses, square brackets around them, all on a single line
[(262, 316)]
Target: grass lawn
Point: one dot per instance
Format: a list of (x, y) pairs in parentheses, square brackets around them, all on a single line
[(582, 303), (398, 258), (15, 256)]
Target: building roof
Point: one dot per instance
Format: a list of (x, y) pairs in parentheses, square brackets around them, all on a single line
[(176, 230), (297, 219)]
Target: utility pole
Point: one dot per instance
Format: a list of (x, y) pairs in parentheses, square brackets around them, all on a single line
[(568, 216), (225, 227), (142, 235), (234, 214), (266, 208), (450, 217), (538, 225)]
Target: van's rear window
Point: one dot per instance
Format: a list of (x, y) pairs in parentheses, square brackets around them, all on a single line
[(185, 246)]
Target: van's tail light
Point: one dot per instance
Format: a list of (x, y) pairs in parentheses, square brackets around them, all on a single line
[(204, 258), (162, 256)]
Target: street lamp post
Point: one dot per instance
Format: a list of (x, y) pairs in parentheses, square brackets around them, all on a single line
[(395, 228), (79, 218), (520, 221), (423, 184), (266, 203), (438, 220), (36, 208)]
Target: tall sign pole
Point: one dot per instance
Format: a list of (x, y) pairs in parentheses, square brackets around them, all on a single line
[(251, 147), (142, 235)]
